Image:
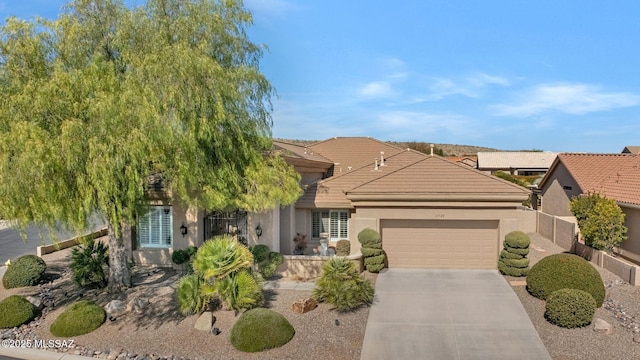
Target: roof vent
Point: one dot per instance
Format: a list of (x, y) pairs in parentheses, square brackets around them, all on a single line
[(376, 167), (382, 158), (349, 168), (431, 145)]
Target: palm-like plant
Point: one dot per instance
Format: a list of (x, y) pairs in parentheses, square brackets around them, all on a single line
[(240, 290), (87, 264), (189, 295), (221, 256), (341, 285)]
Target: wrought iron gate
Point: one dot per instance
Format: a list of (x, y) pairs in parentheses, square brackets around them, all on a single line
[(232, 223)]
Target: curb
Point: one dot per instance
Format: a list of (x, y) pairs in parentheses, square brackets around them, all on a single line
[(34, 354)]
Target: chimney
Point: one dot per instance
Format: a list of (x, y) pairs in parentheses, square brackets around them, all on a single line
[(382, 158), (431, 149)]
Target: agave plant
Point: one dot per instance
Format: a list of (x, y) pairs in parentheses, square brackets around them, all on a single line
[(87, 264), (341, 285)]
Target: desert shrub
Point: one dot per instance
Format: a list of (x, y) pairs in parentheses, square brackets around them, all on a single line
[(523, 252), (504, 254), (562, 271), (240, 290), (371, 242), (87, 264), (570, 308), (341, 285), (79, 318), (343, 248), (188, 295), (276, 258), (261, 329), (180, 256), (517, 239), (260, 253), (517, 263), (15, 311), (512, 271), (601, 221), (191, 250), (27, 270)]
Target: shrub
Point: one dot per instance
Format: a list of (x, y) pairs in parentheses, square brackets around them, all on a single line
[(188, 294), (261, 329), (260, 253), (240, 290), (517, 239), (343, 248), (27, 270), (87, 264), (180, 256), (512, 271), (341, 285), (601, 221), (570, 308), (516, 263), (504, 254), (562, 271), (15, 311), (371, 250), (79, 318), (523, 252)]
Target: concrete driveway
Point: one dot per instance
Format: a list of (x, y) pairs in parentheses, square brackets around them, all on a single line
[(448, 314)]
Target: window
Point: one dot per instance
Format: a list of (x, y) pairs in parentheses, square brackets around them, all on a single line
[(334, 222), (155, 228)]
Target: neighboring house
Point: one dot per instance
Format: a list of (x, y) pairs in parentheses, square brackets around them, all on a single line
[(471, 161), (631, 150), (431, 212), (616, 176), (516, 162)]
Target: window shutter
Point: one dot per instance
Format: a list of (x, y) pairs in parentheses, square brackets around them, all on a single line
[(344, 225), (167, 226), (154, 227), (143, 230), (335, 224)]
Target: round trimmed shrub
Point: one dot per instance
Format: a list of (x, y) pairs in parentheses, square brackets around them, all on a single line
[(15, 311), (27, 270), (180, 256), (565, 271), (570, 308), (367, 252), (523, 252), (260, 253), (516, 263), (79, 318), (507, 255), (343, 248), (276, 258), (517, 239), (261, 329), (368, 237), (512, 271)]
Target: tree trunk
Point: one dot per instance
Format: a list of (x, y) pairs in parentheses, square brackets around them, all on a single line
[(119, 274)]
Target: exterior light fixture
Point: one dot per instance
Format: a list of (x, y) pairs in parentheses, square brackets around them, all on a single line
[(183, 230), (259, 231)]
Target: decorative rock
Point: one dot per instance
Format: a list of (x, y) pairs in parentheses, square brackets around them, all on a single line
[(116, 308), (636, 338), (303, 306), (602, 326), (138, 304), (35, 301), (205, 321), (113, 354)]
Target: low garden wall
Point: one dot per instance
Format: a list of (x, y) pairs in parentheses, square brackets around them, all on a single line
[(309, 267), (48, 249)]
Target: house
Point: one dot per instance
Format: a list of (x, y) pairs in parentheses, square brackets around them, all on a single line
[(431, 212), (616, 176), (471, 161), (516, 162), (631, 150)]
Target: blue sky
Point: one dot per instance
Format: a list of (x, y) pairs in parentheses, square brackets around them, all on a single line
[(511, 74)]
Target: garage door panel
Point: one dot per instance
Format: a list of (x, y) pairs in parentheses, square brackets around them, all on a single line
[(441, 243)]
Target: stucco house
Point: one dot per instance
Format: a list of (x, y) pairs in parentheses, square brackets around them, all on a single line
[(616, 176), (516, 162), (431, 212)]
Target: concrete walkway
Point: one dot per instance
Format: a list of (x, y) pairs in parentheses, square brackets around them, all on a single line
[(448, 314)]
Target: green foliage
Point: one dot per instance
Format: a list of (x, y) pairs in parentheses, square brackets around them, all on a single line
[(79, 318), (260, 252), (343, 248), (188, 294), (512, 271), (180, 256), (367, 252), (517, 239), (523, 252), (239, 290), (517, 263), (87, 264), (261, 329), (570, 308), (26, 270), (276, 258), (560, 271), (15, 311), (506, 176), (98, 100), (374, 260), (504, 254), (220, 256), (601, 221), (342, 286), (368, 237)]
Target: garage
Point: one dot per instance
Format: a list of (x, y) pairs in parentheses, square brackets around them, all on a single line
[(468, 244)]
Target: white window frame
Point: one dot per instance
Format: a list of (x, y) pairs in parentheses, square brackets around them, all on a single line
[(334, 222), (155, 228)]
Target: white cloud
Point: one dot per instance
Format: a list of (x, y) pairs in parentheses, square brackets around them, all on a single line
[(418, 125), (376, 89), (470, 86), (575, 99)]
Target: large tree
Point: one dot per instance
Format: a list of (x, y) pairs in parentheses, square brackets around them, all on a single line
[(100, 99)]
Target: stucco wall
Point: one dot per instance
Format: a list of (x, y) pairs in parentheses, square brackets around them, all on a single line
[(555, 198), (269, 222), (631, 247)]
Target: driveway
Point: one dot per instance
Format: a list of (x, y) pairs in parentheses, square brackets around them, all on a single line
[(448, 314)]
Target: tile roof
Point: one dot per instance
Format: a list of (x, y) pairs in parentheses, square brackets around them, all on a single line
[(616, 176), (353, 152), (302, 152), (437, 176), (631, 150), (515, 159)]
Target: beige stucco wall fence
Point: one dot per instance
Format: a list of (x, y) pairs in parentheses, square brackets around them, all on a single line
[(563, 231), (48, 249)]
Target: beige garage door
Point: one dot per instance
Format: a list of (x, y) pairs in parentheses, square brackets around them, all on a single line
[(467, 244)]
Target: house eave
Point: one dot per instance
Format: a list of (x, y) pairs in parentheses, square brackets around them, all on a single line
[(445, 197)]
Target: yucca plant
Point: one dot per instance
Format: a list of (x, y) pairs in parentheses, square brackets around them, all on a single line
[(87, 264), (342, 285)]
